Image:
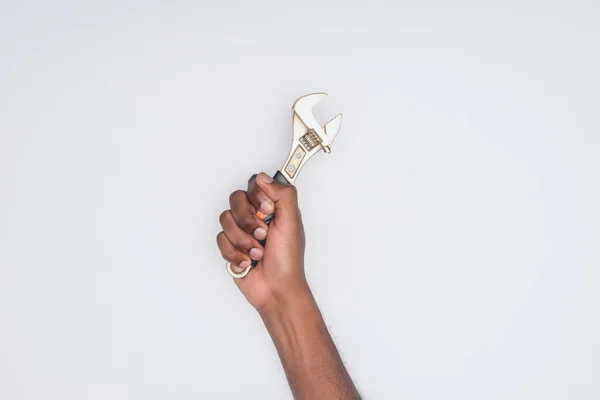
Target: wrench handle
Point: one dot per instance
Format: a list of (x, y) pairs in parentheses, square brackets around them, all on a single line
[(267, 218)]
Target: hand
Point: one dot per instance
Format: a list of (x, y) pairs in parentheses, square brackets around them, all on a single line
[(279, 274)]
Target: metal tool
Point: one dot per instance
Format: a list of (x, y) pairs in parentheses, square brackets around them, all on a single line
[(308, 139)]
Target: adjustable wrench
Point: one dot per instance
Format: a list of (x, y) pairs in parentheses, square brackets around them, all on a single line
[(308, 139)]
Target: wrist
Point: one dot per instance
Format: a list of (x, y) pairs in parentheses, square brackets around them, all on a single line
[(291, 320), (294, 300)]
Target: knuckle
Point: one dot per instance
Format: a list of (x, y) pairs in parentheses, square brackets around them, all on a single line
[(252, 179), (245, 243), (230, 255), (255, 194), (236, 195), (291, 191), (247, 222), (224, 216)]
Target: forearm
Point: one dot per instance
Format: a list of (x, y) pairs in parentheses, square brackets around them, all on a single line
[(310, 359)]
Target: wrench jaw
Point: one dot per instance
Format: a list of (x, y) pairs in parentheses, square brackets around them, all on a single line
[(308, 135), (331, 129)]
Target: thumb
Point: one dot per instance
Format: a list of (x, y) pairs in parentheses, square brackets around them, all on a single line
[(285, 196)]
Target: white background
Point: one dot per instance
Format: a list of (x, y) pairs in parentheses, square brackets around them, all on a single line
[(453, 235)]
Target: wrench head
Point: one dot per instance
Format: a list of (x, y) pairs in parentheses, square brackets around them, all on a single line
[(305, 121), (304, 105), (309, 137)]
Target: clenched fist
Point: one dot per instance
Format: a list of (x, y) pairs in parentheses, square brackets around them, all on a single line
[(279, 274)]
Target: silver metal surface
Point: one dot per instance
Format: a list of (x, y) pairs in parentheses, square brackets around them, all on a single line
[(308, 134)]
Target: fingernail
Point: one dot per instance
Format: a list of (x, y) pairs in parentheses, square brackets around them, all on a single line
[(265, 178), (256, 253), (260, 233), (266, 207), (244, 264)]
